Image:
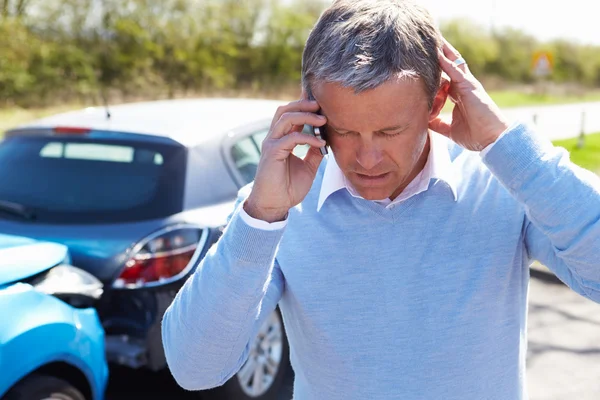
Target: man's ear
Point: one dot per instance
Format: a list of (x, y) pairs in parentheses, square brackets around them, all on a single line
[(440, 99)]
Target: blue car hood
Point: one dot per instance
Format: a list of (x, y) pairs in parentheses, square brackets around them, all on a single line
[(22, 257)]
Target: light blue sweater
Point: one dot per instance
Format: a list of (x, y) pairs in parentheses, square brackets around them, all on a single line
[(427, 300)]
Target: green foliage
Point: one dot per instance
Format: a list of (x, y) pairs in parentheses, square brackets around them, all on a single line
[(73, 50), (587, 156), (474, 43)]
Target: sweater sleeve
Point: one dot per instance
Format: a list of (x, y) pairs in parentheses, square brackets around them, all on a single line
[(218, 311), (562, 206)]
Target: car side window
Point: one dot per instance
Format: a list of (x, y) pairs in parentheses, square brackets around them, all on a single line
[(245, 155), (259, 138), (299, 151)]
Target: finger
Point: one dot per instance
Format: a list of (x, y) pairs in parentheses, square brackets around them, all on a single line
[(289, 142), (441, 125), (289, 120), (449, 50), (298, 105), (456, 74), (452, 54)]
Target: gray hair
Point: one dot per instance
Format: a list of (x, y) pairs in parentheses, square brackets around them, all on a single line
[(361, 44)]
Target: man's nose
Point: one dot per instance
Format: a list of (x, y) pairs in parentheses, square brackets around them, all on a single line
[(368, 155)]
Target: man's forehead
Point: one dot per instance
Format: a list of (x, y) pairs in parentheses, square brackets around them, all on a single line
[(407, 92)]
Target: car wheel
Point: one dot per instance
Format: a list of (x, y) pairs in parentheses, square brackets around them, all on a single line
[(43, 387), (261, 377)]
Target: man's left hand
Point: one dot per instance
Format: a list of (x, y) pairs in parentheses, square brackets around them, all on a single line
[(476, 119)]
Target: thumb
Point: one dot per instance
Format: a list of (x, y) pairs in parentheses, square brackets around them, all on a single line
[(313, 158), (440, 125)]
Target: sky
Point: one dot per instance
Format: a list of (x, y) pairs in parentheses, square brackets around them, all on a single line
[(577, 20)]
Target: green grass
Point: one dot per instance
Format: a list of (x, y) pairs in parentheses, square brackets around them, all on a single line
[(588, 156), (513, 98)]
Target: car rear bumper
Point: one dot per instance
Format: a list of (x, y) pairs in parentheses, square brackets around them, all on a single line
[(132, 320)]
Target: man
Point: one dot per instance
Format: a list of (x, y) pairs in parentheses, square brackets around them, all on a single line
[(400, 262)]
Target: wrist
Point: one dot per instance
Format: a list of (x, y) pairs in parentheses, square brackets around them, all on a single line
[(493, 137), (269, 215)]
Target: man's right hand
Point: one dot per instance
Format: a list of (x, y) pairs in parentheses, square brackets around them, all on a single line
[(282, 179)]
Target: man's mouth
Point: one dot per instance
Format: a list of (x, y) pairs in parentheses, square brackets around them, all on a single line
[(372, 178)]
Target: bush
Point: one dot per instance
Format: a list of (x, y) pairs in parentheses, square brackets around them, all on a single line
[(53, 50)]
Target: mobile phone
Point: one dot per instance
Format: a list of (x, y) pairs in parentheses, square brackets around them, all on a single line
[(319, 135), (318, 132)]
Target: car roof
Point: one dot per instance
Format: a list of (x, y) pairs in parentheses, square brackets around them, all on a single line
[(187, 121)]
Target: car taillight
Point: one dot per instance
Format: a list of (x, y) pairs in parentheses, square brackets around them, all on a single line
[(71, 130), (162, 257)]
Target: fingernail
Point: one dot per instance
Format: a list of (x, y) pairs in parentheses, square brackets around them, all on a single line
[(320, 116)]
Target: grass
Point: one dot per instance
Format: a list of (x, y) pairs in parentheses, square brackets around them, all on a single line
[(588, 156), (513, 98)]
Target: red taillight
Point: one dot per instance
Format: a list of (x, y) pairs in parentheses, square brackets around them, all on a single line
[(71, 130), (161, 258)]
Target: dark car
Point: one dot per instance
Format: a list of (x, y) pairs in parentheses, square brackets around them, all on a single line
[(139, 193)]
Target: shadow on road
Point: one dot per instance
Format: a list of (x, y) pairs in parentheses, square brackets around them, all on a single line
[(128, 384), (546, 277)]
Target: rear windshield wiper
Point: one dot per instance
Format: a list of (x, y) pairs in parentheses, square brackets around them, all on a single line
[(16, 209)]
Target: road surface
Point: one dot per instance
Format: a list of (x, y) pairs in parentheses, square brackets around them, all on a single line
[(560, 121)]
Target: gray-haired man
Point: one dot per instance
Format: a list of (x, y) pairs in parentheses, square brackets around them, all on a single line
[(400, 262)]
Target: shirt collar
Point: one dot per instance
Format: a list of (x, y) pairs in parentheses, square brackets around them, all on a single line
[(438, 164)]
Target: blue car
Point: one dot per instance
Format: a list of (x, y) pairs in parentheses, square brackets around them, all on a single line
[(51, 341), (139, 193)]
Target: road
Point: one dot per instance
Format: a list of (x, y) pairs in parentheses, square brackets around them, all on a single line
[(563, 358), (560, 121), (564, 344)]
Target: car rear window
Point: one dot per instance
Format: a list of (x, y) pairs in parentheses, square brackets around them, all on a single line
[(78, 180)]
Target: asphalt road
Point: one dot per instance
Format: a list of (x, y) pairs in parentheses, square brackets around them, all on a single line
[(129, 385), (559, 121), (563, 359)]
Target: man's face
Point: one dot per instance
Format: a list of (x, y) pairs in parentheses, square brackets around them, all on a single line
[(379, 136)]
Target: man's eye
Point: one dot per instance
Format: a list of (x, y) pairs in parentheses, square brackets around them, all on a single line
[(390, 135), (338, 133)]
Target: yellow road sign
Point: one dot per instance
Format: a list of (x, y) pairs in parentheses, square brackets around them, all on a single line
[(542, 63)]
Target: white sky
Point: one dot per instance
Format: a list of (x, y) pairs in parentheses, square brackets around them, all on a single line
[(577, 20)]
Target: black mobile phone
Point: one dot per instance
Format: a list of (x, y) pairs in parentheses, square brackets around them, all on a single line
[(319, 132)]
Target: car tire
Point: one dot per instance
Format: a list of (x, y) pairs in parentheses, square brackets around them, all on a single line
[(235, 389), (43, 387)]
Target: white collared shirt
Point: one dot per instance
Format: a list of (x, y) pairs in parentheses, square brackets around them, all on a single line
[(437, 166)]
